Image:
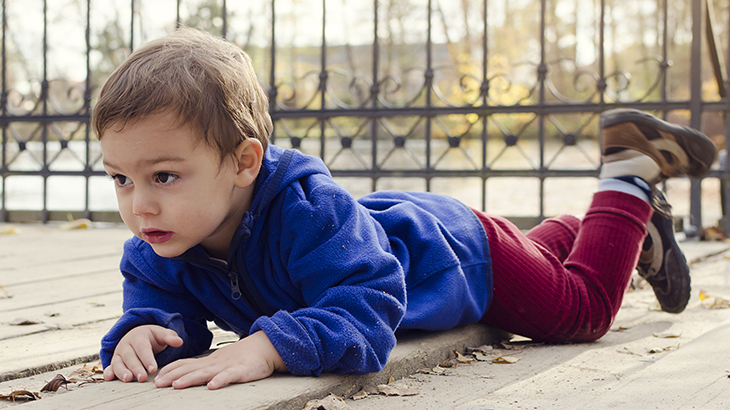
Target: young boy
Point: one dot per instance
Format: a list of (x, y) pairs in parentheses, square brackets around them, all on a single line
[(261, 241)]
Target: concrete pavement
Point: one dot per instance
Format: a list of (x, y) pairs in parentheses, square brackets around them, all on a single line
[(614, 372)]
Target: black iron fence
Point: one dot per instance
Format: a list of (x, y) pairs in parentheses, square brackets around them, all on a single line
[(494, 102)]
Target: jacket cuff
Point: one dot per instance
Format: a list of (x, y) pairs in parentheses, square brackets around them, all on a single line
[(292, 342)]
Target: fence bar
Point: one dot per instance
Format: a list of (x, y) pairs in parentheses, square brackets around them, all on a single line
[(373, 117), (695, 105), (374, 95)]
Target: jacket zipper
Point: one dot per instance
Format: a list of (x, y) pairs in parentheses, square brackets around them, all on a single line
[(235, 289), (232, 275)]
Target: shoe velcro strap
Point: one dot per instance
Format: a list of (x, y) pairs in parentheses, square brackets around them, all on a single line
[(656, 254)]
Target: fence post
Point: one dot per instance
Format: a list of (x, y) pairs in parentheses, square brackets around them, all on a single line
[(695, 104)]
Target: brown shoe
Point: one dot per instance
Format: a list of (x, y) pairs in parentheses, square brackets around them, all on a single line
[(676, 149)]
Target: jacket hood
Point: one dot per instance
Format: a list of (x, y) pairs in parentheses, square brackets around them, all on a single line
[(280, 168)]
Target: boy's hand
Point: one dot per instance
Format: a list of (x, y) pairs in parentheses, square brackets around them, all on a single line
[(134, 355), (251, 358)]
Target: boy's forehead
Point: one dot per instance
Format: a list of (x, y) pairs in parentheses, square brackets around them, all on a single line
[(152, 140)]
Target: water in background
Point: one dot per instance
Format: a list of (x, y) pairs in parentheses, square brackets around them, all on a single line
[(507, 196)]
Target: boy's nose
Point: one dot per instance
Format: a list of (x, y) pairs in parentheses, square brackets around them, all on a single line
[(144, 203)]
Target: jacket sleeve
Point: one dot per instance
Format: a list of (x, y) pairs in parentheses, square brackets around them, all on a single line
[(149, 300), (354, 289)]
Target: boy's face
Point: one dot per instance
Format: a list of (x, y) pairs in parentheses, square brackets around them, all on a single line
[(172, 189)]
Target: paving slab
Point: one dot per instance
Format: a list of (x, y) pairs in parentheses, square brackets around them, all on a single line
[(79, 273), (415, 350)]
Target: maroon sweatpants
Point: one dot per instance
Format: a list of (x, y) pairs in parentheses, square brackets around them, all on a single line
[(565, 279)]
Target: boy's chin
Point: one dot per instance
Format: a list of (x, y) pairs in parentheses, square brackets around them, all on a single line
[(167, 250)]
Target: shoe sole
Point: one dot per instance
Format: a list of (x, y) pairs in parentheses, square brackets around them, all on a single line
[(674, 261), (700, 149)]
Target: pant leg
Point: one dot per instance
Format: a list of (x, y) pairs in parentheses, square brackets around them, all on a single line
[(538, 295), (556, 234)]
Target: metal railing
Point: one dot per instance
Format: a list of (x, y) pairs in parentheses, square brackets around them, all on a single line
[(424, 112)]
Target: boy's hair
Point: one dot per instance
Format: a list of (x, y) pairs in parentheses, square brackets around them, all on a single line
[(207, 82)]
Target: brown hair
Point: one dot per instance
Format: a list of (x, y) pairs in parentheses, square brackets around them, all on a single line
[(206, 81)]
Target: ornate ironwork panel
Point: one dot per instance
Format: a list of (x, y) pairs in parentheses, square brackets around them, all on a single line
[(493, 102)]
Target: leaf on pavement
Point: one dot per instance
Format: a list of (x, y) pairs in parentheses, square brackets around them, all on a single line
[(506, 360), (330, 402), (463, 359), (397, 389), (76, 224), (712, 301), (663, 349), (437, 371), (56, 383), (484, 349), (450, 362), (24, 322), (8, 230), (668, 335), (481, 357), (88, 370), (4, 294), (20, 395)]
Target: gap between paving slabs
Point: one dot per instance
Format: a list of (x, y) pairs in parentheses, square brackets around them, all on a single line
[(505, 352), (415, 350)]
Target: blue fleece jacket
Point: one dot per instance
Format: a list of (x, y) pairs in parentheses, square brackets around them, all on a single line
[(326, 277)]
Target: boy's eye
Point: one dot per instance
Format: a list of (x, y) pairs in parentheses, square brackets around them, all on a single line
[(166, 177), (121, 180)]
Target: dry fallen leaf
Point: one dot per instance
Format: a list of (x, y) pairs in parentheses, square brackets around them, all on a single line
[(662, 349), (76, 224), (24, 322), (667, 335), (4, 294), (87, 370), (397, 389), (330, 402), (438, 371), (360, 395), (8, 230), (450, 362), (506, 360), (627, 351), (712, 301), (20, 395), (485, 349), (620, 328), (463, 359), (481, 357), (56, 383)]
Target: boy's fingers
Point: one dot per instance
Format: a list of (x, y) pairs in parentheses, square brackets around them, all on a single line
[(173, 340), (127, 366), (194, 378), (223, 379), (120, 370), (165, 337), (147, 360), (109, 374)]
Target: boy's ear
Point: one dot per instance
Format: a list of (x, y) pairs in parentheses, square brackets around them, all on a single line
[(249, 155)]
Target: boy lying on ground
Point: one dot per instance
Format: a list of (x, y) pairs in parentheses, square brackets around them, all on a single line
[(264, 243)]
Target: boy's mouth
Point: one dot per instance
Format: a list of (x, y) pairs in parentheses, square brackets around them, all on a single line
[(155, 236)]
